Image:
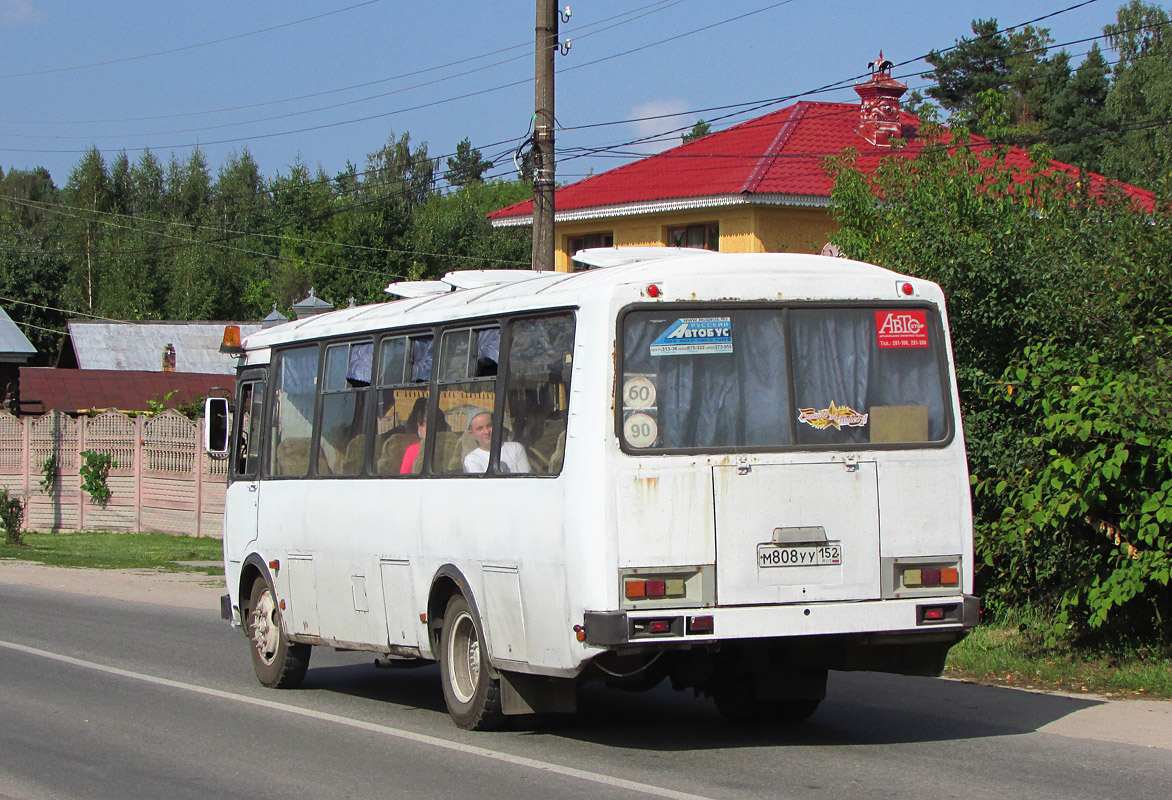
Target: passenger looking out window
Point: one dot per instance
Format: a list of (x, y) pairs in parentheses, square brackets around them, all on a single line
[(513, 458)]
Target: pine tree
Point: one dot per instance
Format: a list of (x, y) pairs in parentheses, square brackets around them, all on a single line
[(467, 166)]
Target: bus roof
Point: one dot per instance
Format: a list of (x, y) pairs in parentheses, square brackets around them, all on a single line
[(681, 278)]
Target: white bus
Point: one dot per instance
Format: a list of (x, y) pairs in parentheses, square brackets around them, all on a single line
[(733, 472)]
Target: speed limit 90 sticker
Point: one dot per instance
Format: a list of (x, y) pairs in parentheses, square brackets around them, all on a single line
[(640, 430)]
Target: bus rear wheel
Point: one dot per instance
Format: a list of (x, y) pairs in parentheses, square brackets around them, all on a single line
[(472, 695), (279, 663)]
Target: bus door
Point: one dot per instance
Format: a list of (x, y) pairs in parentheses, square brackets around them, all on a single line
[(243, 495), (794, 533)]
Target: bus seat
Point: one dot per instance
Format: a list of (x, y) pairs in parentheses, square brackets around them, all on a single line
[(355, 455), (542, 449), (391, 456), (447, 458), (293, 456), (559, 454)]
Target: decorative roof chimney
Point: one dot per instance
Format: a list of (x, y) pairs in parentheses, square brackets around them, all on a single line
[(879, 114), (311, 305)]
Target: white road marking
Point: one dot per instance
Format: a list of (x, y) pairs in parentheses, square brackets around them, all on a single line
[(385, 730)]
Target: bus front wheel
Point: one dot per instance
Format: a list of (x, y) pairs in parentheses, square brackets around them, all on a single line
[(472, 695), (279, 663)]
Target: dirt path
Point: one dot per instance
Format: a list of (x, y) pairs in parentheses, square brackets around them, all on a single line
[(183, 589)]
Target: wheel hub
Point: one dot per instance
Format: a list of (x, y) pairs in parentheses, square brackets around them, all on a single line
[(265, 628)]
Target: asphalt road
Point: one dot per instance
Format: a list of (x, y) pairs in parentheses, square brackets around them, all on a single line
[(110, 698)]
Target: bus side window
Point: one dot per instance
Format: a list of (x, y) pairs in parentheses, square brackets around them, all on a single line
[(537, 388), (290, 436), (404, 367), (467, 397), (248, 429), (345, 384)]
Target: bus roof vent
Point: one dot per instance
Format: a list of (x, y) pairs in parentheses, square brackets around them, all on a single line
[(418, 288), (477, 278), (463, 279), (619, 256)]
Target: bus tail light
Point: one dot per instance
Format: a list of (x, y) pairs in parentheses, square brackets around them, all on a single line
[(940, 615), (700, 625), (667, 587), (921, 576)]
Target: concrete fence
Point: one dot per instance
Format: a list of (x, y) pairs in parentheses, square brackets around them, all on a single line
[(163, 480)]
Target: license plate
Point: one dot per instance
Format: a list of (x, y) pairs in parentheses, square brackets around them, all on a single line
[(802, 555)]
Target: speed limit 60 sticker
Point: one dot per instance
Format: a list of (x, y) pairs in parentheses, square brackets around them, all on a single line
[(638, 392)]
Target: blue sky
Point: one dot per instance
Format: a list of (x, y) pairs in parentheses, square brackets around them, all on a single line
[(261, 75)]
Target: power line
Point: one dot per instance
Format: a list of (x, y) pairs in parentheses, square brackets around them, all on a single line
[(662, 5), (381, 115), (189, 46)]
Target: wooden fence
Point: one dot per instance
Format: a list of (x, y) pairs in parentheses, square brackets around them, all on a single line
[(163, 480)]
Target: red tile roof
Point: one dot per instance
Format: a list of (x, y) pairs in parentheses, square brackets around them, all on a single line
[(777, 158), (48, 389)]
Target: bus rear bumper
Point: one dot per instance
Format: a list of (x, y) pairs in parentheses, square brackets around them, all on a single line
[(919, 617)]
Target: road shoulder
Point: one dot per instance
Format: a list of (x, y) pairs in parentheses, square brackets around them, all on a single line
[(181, 589)]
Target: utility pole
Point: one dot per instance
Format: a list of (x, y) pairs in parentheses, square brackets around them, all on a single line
[(543, 162)]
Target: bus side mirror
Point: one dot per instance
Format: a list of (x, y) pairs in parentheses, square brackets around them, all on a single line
[(215, 428)]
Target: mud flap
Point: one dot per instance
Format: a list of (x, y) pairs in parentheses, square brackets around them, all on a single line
[(537, 694)]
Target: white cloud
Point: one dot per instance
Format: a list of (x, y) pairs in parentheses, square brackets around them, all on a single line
[(16, 12), (668, 115)]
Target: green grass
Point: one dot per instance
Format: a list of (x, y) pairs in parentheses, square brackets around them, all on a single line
[(102, 550), (1009, 651)]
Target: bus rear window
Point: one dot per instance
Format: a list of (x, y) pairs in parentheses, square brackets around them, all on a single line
[(722, 378)]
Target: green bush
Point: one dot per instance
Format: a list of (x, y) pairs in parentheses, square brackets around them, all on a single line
[(94, 470), (11, 517), (1085, 524), (1047, 286)]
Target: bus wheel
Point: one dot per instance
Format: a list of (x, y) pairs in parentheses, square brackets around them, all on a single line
[(472, 695), (279, 663)]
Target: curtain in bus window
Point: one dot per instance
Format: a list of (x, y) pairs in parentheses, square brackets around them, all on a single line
[(708, 392), (359, 367), (849, 389), (421, 359), (488, 349)]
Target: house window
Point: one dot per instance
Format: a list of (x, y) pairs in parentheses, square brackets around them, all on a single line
[(585, 241), (706, 236)]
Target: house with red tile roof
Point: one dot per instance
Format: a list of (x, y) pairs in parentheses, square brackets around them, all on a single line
[(760, 186)]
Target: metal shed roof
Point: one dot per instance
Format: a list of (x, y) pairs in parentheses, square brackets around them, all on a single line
[(139, 345), (14, 345)]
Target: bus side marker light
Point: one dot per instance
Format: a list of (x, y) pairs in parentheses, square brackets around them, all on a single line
[(636, 589), (580, 633), (423, 618), (275, 565), (906, 288), (282, 605), (700, 625), (950, 576), (653, 290)]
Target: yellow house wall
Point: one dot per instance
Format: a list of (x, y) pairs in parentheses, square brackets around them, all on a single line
[(743, 229)]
